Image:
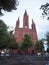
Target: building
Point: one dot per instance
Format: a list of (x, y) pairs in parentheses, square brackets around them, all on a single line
[(20, 32)]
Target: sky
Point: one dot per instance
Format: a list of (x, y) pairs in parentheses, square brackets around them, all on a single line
[(33, 10)]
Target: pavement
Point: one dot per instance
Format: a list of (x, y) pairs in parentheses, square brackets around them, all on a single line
[(24, 60)]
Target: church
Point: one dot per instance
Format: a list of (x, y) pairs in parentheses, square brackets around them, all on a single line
[(20, 32)]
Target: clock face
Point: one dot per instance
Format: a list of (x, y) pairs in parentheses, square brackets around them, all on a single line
[(25, 26)]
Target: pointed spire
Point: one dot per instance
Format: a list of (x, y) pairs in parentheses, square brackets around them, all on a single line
[(25, 20), (25, 12), (33, 22), (17, 23), (33, 25), (18, 18)]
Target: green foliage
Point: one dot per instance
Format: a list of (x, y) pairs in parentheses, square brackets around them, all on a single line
[(27, 43), (6, 38), (48, 50), (39, 46), (3, 34), (4, 28), (47, 35), (45, 9), (8, 5), (12, 42)]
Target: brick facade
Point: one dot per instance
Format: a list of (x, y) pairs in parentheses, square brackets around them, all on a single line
[(20, 32)]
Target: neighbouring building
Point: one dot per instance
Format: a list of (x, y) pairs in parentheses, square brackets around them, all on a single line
[(20, 32)]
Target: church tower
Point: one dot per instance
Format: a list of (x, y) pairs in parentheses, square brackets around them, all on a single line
[(17, 24), (33, 26), (16, 28), (25, 20), (34, 32)]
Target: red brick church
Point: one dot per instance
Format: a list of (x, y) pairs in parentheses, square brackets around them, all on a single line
[(20, 32)]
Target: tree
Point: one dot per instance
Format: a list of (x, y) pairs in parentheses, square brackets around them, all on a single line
[(47, 36), (48, 50), (6, 37), (39, 46), (12, 44), (45, 9), (27, 42), (8, 5), (3, 34)]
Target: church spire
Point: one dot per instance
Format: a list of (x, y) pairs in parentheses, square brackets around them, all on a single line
[(25, 13), (17, 23), (33, 25), (25, 20), (33, 22)]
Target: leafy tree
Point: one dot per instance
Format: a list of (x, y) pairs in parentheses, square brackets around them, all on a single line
[(47, 35), (48, 50), (45, 9), (3, 34), (12, 44), (39, 46), (6, 37), (27, 42), (8, 5), (3, 26), (47, 38)]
